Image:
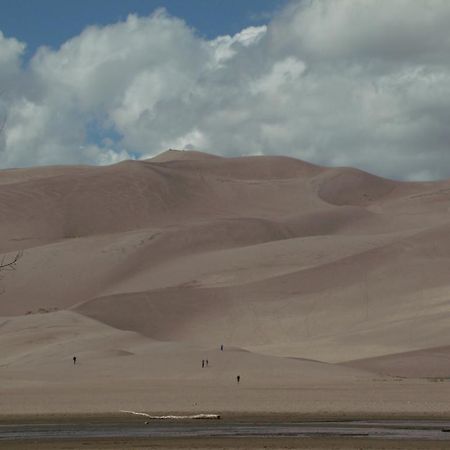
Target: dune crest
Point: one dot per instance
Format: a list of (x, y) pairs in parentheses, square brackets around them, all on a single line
[(182, 155)]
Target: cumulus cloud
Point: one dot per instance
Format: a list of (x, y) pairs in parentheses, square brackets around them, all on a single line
[(11, 51), (400, 31), (225, 47), (355, 82)]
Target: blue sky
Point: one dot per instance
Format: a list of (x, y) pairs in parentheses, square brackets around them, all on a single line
[(362, 83), (52, 22)]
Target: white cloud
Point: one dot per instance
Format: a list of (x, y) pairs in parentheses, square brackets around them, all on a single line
[(396, 30), (192, 140), (11, 51), (225, 47), (282, 73), (355, 82)]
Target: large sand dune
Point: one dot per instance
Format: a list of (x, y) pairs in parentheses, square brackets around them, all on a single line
[(165, 259)]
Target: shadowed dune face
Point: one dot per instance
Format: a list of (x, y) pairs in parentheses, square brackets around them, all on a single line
[(428, 363), (46, 205), (271, 254), (353, 187), (181, 155)]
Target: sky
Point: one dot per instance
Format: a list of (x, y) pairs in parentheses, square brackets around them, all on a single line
[(52, 22), (362, 83)]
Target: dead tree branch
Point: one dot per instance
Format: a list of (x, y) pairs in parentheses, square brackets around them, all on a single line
[(6, 264)]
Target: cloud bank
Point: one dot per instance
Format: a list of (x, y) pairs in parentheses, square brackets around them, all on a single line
[(364, 83)]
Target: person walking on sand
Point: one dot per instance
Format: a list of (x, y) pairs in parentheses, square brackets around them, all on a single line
[(203, 363), (207, 363), (238, 379), (221, 348), (74, 360)]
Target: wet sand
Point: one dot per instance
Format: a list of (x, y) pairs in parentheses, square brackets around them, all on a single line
[(272, 432), (227, 443)]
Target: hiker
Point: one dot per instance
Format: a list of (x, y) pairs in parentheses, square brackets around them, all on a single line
[(221, 348), (238, 378), (207, 362), (203, 363), (74, 360)]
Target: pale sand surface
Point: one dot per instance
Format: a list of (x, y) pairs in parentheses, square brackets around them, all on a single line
[(118, 370), (328, 287)]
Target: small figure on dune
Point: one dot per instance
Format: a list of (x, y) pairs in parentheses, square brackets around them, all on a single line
[(238, 378), (221, 348), (203, 363), (207, 363), (74, 360)]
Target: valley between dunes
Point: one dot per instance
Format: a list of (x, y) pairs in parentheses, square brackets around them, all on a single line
[(328, 287)]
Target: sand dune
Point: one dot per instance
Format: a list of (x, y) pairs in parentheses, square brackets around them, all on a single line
[(118, 370), (353, 187), (427, 363), (53, 339), (176, 254), (182, 155)]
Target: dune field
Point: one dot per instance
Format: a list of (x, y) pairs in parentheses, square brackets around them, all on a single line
[(329, 289)]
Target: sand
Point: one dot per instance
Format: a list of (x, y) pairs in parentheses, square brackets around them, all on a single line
[(327, 286), (227, 443)]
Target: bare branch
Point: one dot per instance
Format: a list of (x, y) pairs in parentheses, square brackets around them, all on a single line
[(11, 265)]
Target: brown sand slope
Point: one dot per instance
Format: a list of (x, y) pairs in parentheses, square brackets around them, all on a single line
[(182, 155), (118, 370), (428, 363), (270, 254), (48, 345)]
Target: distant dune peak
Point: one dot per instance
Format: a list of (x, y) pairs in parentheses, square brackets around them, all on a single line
[(177, 155)]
